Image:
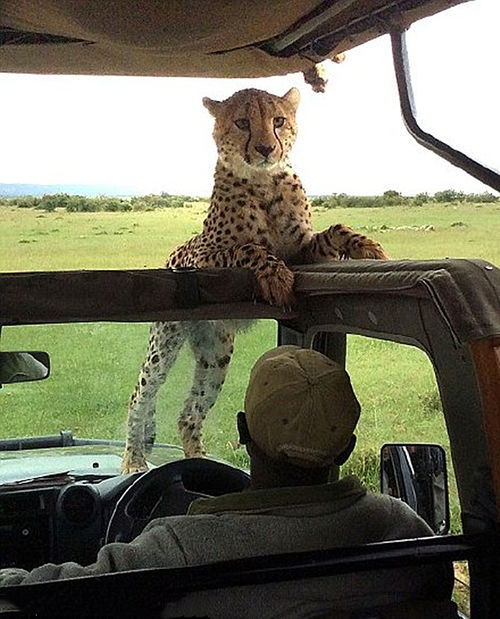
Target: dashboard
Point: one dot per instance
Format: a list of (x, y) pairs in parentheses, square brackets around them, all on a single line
[(56, 518), (57, 522)]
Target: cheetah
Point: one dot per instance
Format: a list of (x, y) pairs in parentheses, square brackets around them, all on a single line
[(259, 218)]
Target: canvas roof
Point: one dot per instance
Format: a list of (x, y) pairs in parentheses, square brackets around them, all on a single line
[(205, 38), (466, 293)]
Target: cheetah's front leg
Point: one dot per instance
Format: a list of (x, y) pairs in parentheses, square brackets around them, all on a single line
[(340, 241), (166, 339), (273, 276), (212, 345)]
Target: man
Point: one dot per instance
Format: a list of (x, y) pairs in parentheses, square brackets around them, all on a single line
[(299, 420)]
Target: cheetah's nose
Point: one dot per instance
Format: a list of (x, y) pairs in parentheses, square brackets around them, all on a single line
[(264, 150)]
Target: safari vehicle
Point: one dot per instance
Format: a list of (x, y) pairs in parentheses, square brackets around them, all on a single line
[(62, 497)]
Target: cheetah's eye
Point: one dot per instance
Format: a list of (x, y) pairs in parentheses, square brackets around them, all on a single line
[(279, 121), (242, 123)]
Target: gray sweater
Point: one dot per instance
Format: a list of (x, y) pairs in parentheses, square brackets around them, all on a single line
[(273, 521)]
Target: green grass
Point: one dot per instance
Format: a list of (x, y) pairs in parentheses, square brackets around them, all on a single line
[(95, 366), (460, 230), (34, 240)]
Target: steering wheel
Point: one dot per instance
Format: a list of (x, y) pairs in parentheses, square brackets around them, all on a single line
[(168, 490)]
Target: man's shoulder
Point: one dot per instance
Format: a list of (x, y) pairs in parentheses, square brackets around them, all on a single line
[(401, 519)]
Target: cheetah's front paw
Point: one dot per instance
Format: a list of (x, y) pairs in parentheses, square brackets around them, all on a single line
[(366, 248), (276, 284)]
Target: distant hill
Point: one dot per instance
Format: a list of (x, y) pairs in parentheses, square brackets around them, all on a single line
[(13, 190)]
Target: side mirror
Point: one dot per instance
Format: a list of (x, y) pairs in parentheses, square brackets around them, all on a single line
[(23, 366), (416, 474)]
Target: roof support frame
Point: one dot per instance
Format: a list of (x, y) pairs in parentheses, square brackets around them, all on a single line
[(457, 158)]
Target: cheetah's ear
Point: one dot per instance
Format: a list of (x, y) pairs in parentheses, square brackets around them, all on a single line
[(292, 96), (212, 106)]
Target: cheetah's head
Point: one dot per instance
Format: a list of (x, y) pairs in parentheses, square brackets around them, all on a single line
[(254, 128)]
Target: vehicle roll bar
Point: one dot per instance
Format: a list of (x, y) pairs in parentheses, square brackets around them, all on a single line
[(402, 69)]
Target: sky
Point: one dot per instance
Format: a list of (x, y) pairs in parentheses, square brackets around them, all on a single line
[(154, 134)]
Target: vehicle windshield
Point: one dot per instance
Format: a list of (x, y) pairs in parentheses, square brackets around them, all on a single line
[(94, 367)]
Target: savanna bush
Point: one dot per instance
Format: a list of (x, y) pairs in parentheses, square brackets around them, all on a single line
[(390, 197), (421, 198), (449, 195), (150, 202)]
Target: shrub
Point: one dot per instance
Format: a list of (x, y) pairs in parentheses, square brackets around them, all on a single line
[(49, 202), (449, 195), (482, 198), (391, 197), (80, 204), (320, 201), (421, 198), (26, 202)]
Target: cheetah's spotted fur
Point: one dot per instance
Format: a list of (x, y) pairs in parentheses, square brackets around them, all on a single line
[(259, 219)]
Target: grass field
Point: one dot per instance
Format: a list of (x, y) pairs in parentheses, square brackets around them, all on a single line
[(34, 240), (95, 366)]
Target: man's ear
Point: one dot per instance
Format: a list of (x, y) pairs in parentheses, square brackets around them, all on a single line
[(212, 106), (344, 455), (241, 422)]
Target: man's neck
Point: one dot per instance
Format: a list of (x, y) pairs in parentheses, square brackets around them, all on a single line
[(268, 473)]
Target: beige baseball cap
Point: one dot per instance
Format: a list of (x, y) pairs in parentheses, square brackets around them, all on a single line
[(300, 406)]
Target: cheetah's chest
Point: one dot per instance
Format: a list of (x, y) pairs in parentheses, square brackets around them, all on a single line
[(273, 213), (280, 228)]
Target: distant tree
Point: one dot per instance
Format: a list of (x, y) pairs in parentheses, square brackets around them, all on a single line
[(113, 205), (421, 198), (50, 202), (319, 201), (81, 204), (392, 193), (391, 197), (449, 195), (482, 198), (26, 201)]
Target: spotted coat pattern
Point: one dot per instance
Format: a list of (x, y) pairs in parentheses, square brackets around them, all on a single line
[(259, 218)]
